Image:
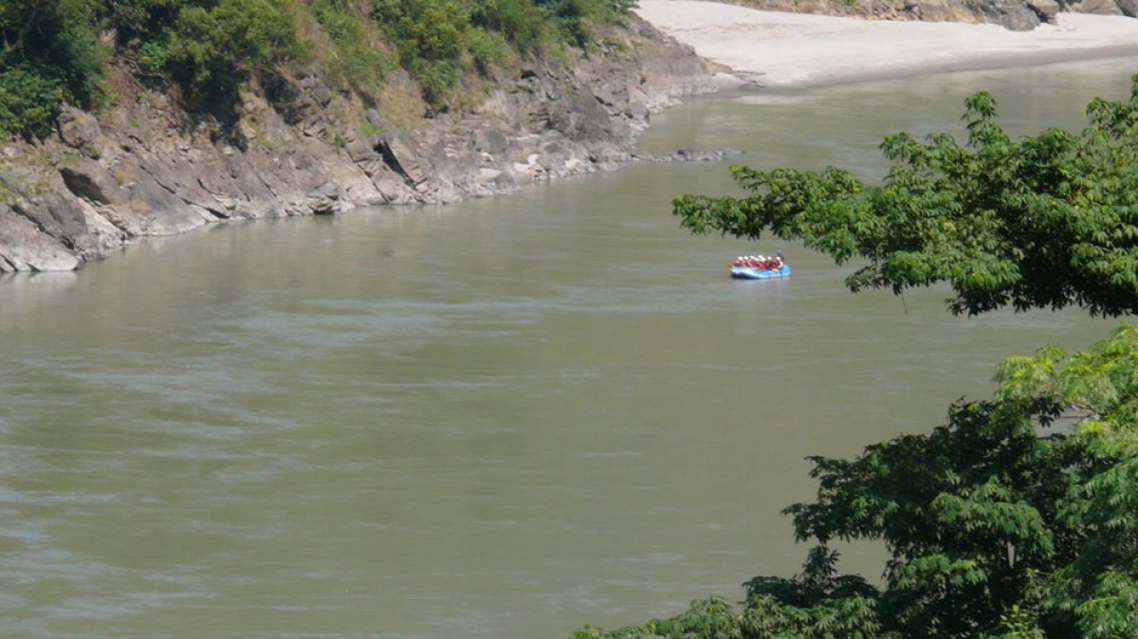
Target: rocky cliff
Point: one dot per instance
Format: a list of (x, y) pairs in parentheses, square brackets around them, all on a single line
[(145, 167), (1019, 15)]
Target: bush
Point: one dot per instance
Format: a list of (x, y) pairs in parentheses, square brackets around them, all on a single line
[(353, 60), (435, 78), (430, 37), (51, 54), (488, 49), (520, 21), (437, 39), (574, 19), (28, 101), (427, 30), (211, 47), (996, 525)]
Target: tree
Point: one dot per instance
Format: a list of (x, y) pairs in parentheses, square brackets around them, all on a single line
[(1048, 221), (49, 53), (998, 523), (210, 47)]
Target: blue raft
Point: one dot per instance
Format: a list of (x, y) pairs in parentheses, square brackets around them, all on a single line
[(754, 273)]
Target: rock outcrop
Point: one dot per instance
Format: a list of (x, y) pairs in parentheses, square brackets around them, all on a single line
[(1017, 15), (146, 168)]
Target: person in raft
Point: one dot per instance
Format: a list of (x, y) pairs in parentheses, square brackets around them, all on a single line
[(761, 261)]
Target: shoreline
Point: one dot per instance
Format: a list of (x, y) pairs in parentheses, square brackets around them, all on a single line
[(774, 50), (136, 169), (97, 188)]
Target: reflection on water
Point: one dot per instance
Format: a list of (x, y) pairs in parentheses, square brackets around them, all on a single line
[(504, 418), (26, 296)]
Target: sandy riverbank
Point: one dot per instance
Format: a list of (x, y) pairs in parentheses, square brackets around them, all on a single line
[(789, 50)]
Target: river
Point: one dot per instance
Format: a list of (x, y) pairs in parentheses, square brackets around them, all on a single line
[(498, 419)]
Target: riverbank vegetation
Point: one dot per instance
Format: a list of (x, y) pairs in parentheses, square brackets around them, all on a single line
[(57, 51), (999, 523)]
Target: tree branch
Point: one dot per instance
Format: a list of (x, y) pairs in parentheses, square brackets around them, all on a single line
[(11, 48)]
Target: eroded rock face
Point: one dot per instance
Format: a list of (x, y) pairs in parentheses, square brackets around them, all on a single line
[(79, 129), (1045, 9), (1099, 7), (28, 246), (401, 152), (1016, 15), (93, 182), (142, 170)]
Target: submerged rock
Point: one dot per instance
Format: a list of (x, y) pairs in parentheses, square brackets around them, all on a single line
[(695, 155)]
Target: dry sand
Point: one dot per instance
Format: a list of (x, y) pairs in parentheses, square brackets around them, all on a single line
[(790, 50)]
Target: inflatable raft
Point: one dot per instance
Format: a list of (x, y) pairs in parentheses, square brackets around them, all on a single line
[(756, 273)]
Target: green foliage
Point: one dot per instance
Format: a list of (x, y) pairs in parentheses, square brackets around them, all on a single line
[(1018, 624), (50, 50), (430, 36), (135, 20), (706, 618), (817, 603), (520, 21), (437, 40), (573, 18), (50, 54), (1048, 221), (424, 30), (996, 526), (353, 59), (28, 101), (210, 46), (488, 49)]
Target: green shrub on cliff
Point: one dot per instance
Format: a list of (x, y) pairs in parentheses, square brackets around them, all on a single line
[(210, 47), (50, 54), (440, 40), (520, 21), (571, 18), (50, 50), (429, 36), (355, 58)]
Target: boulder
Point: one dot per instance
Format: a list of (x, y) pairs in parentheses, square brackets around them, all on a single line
[(358, 146), (56, 215), (317, 90), (1129, 8), (1048, 9), (324, 199), (90, 180), (79, 129), (399, 151), (1097, 7), (376, 119), (695, 155), (1018, 17), (24, 247)]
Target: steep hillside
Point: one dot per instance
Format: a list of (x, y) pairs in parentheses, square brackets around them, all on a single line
[(159, 125)]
